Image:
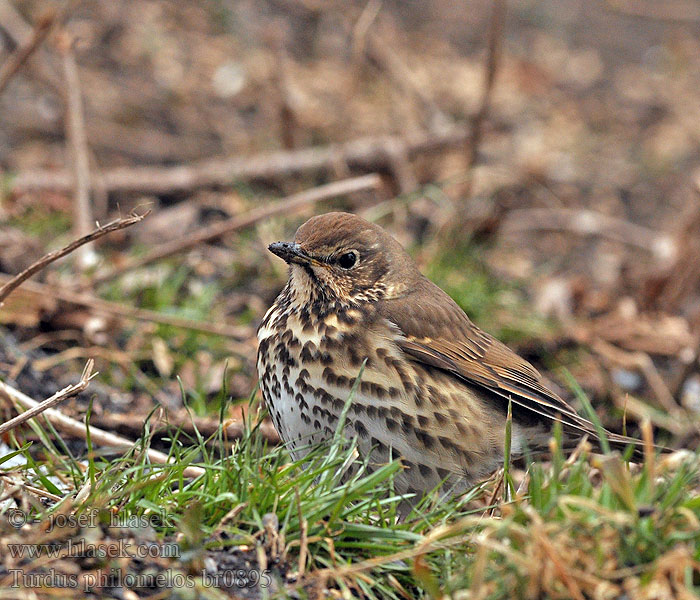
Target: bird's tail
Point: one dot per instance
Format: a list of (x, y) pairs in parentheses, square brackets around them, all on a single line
[(622, 443)]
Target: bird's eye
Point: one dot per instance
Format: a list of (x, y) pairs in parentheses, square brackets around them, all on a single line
[(347, 260)]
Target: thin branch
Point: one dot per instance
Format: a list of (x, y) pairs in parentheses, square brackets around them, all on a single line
[(233, 428), (14, 63), (287, 205), (14, 24), (373, 45), (303, 541), (391, 62), (19, 31), (77, 138), (98, 436), (587, 222), (643, 362), (400, 167), (368, 154), (281, 80), (116, 225), (138, 314), (361, 28), (60, 396), (659, 11), (498, 17), (454, 229), (555, 559)]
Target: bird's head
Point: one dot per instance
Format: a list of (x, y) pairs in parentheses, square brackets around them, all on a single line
[(342, 257)]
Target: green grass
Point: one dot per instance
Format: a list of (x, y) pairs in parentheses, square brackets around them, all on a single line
[(171, 293), (500, 308), (42, 222), (574, 529)]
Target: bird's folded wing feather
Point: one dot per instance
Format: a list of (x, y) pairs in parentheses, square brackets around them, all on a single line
[(439, 334), (512, 382)]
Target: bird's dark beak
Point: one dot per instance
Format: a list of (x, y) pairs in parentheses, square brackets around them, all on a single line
[(290, 252)]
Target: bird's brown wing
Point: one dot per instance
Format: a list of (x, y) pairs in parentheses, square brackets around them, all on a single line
[(506, 375), (436, 332)]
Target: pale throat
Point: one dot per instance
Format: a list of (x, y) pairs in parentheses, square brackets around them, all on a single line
[(303, 287), (308, 290)]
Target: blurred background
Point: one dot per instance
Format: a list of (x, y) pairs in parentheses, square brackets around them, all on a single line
[(539, 159)]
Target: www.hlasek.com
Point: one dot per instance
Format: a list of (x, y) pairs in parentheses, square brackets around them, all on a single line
[(88, 519), (116, 578), (104, 550)]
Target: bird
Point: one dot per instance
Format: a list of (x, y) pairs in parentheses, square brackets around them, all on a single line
[(429, 387)]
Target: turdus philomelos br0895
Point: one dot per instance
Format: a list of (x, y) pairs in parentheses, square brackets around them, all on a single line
[(435, 388)]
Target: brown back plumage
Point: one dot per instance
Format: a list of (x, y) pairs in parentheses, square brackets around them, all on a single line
[(442, 336)]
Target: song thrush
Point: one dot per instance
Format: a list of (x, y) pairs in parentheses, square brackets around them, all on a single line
[(435, 388)]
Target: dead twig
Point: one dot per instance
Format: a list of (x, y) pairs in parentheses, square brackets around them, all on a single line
[(12, 65), (400, 167), (287, 205), (77, 139), (382, 54), (140, 144), (60, 396), (659, 11), (639, 410), (281, 80), (642, 362), (115, 225), (670, 284), (496, 28), (303, 541), (20, 32), (455, 229), (137, 314), (98, 436), (361, 28), (14, 24), (588, 222), (554, 557), (367, 154), (234, 429)]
